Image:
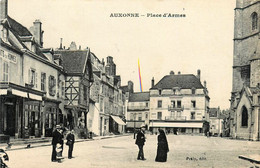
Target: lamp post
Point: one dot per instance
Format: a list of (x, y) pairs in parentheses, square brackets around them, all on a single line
[(134, 124)]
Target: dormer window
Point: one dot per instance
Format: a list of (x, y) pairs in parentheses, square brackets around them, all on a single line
[(160, 91), (193, 90), (4, 34), (254, 20)]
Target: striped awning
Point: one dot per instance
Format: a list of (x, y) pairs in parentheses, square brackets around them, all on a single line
[(177, 124)]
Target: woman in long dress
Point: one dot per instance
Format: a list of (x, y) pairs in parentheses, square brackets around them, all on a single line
[(162, 147)]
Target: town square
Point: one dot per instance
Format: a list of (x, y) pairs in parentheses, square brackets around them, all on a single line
[(134, 84)]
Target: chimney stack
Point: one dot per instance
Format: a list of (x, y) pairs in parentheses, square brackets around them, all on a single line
[(198, 74), (3, 9), (37, 32), (130, 87), (153, 82), (171, 73), (205, 84), (73, 46), (60, 43), (179, 73)]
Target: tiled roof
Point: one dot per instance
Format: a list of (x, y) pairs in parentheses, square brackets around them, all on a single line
[(184, 81), (124, 89), (73, 60), (213, 112), (18, 28), (139, 97)]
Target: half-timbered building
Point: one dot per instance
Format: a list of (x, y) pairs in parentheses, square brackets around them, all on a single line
[(78, 78)]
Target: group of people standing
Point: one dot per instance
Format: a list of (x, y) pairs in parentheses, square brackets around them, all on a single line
[(58, 142), (162, 145)]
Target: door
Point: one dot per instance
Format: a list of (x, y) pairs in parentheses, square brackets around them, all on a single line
[(10, 120)]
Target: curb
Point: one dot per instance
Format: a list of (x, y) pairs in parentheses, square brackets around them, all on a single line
[(48, 143)]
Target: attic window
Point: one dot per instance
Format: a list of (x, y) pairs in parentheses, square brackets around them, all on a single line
[(193, 90), (160, 91)]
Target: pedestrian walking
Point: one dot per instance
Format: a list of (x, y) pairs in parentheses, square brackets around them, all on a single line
[(70, 142), (56, 142), (140, 139), (162, 147)]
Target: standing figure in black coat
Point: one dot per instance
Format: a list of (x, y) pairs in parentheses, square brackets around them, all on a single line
[(140, 139), (56, 139), (70, 142), (162, 148)]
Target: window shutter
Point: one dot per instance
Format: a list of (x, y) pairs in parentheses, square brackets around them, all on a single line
[(36, 76), (29, 76)]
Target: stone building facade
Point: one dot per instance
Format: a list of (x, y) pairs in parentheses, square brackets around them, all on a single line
[(246, 71), (179, 103)]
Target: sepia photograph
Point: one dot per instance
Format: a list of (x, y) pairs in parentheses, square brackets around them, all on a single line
[(132, 83)]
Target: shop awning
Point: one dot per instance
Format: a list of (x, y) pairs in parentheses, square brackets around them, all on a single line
[(132, 124), (19, 93), (118, 120), (35, 97), (3, 91), (177, 124)]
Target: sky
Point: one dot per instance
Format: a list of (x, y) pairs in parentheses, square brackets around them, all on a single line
[(201, 40)]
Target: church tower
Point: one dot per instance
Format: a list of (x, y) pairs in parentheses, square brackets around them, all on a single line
[(246, 37)]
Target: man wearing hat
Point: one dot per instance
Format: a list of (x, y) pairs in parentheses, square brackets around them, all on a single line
[(56, 139), (140, 142)]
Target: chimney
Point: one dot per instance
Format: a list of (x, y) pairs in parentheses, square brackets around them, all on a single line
[(153, 82), (73, 46), (3, 9), (171, 73), (198, 74), (205, 84), (60, 43), (179, 73), (80, 47), (130, 87), (37, 32)]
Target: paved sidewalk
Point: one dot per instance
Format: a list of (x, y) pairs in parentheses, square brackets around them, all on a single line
[(40, 142)]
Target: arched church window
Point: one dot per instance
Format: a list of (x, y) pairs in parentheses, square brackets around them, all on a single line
[(244, 122), (254, 20)]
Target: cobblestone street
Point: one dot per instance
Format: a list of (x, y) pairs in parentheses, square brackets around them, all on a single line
[(185, 151)]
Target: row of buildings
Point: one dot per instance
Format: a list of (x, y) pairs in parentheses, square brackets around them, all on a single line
[(42, 87)]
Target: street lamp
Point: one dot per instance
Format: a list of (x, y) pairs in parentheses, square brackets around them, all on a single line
[(134, 124)]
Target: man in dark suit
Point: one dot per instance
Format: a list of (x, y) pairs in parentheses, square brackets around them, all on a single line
[(140, 139), (56, 138), (70, 142)]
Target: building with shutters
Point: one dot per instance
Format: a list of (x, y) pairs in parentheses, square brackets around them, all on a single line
[(179, 103)]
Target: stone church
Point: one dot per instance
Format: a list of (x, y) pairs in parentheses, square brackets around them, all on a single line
[(245, 96)]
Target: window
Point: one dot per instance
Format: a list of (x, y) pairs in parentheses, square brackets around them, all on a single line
[(244, 122), (52, 85), (43, 82), (160, 92), (159, 105), (32, 78), (159, 115), (193, 90), (146, 104), (146, 115), (5, 71), (254, 20), (193, 103), (174, 91), (131, 116), (173, 104), (192, 115), (139, 116), (101, 104), (63, 88), (178, 104)]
